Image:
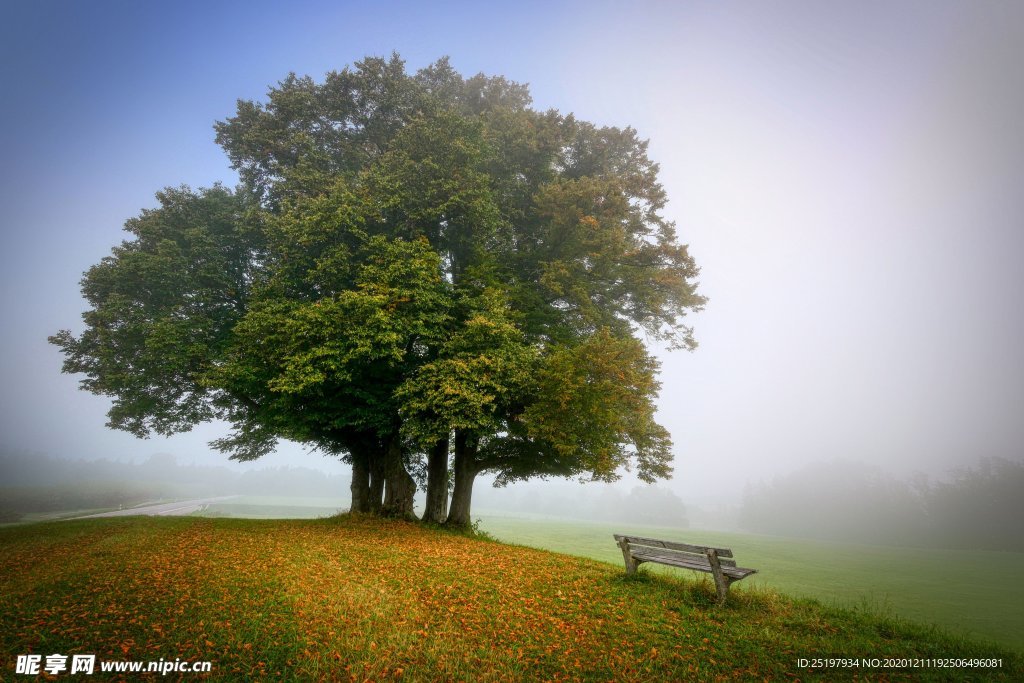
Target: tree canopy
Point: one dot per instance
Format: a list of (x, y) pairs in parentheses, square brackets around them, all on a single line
[(419, 273)]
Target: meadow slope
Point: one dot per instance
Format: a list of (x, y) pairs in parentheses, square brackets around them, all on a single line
[(351, 598), (974, 593)]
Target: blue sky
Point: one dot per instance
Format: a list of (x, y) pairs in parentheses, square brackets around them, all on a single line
[(847, 175)]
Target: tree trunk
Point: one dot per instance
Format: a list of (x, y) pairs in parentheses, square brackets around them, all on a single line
[(376, 492), (360, 483), (437, 483), (399, 487), (466, 469)]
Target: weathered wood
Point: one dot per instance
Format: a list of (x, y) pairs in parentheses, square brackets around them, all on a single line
[(672, 545), (700, 558), (631, 563), (688, 562), (721, 582), (636, 550)]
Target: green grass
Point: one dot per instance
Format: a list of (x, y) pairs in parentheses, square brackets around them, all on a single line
[(276, 507), (29, 517), (979, 593), (352, 598)]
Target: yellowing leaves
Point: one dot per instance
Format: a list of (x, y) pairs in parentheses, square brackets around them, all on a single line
[(366, 599)]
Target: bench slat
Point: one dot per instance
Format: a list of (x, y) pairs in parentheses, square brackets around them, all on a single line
[(671, 545), (650, 551), (636, 549), (679, 561)]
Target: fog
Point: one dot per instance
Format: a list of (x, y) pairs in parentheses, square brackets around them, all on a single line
[(978, 507), (36, 483), (847, 176)]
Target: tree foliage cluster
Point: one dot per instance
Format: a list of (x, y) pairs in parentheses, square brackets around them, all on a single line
[(419, 273), (975, 508)]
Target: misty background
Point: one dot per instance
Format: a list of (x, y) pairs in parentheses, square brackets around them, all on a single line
[(848, 177), (973, 508)]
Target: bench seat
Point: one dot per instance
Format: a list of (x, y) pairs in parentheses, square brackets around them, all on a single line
[(715, 561)]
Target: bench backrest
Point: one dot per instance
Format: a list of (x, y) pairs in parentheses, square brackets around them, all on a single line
[(697, 553)]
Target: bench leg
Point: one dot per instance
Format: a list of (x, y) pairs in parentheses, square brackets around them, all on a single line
[(631, 564), (721, 580), (723, 589)]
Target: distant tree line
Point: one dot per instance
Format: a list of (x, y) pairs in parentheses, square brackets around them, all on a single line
[(978, 507), (650, 504), (40, 483)]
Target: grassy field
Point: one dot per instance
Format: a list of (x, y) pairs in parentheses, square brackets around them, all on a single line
[(277, 507), (364, 599), (975, 593)]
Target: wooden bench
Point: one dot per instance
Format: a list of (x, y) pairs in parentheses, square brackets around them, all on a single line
[(715, 561)]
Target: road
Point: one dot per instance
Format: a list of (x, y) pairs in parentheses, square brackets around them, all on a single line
[(181, 507)]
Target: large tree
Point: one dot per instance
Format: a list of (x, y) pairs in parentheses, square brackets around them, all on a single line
[(416, 270)]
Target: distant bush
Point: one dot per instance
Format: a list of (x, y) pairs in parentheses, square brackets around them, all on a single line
[(8, 514), (978, 508), (84, 496), (837, 500), (651, 504), (41, 483)]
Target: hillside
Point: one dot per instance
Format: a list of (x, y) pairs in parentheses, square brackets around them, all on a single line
[(356, 598), (972, 593)]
